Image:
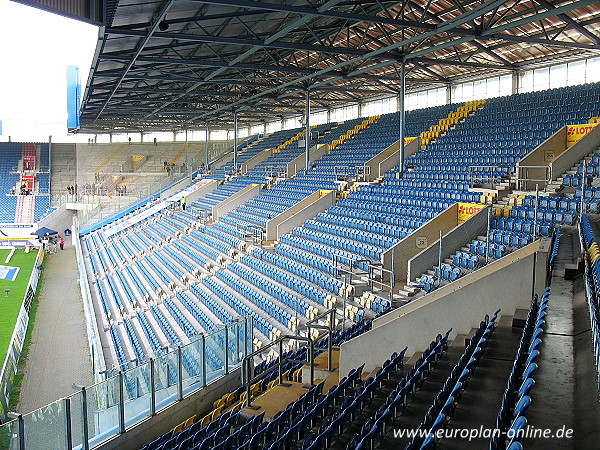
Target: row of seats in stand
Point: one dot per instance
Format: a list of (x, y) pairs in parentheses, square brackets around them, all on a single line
[(516, 398), (395, 402), (400, 395), (475, 255), (589, 237), (224, 428)]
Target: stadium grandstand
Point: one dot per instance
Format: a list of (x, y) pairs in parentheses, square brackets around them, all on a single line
[(311, 225)]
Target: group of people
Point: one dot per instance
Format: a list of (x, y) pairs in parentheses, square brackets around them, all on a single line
[(171, 167), (49, 243), (72, 189), (121, 190)]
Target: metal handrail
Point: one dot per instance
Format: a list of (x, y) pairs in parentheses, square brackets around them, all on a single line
[(248, 380), (484, 179), (311, 324), (547, 175)]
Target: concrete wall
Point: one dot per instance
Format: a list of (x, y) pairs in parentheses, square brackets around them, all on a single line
[(59, 219), (389, 158), (299, 162), (564, 158), (574, 154), (256, 160), (557, 144), (507, 283), (451, 241), (237, 199), (199, 403), (199, 193), (175, 188), (407, 247), (228, 157), (306, 209)]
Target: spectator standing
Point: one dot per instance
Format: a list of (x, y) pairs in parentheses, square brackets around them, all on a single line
[(183, 202), (61, 242)]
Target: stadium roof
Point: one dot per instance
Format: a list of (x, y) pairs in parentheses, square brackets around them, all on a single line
[(176, 64)]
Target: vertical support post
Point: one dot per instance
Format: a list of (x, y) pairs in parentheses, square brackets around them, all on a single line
[(440, 254), (21, 423), (330, 340), (393, 275), (248, 378), (402, 115), (235, 132), (68, 427), (311, 359), (226, 329), (84, 417), (345, 301), (152, 386), (179, 373), (296, 316), (307, 133), (50, 165), (535, 210), (121, 403), (186, 148), (583, 183), (280, 361), (487, 235), (203, 360), (206, 147)]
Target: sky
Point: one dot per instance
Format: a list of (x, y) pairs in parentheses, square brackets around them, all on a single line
[(35, 49)]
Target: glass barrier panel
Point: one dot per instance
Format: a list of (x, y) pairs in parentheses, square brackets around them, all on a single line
[(215, 355), (235, 343), (103, 410), (137, 394), (77, 434), (46, 427), (9, 435), (192, 356), (165, 380)]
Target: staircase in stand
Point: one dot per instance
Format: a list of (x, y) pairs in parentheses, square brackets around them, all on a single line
[(25, 209)]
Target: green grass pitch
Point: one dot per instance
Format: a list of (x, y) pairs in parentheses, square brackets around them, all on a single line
[(11, 304)]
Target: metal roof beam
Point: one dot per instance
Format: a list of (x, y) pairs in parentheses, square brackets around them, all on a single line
[(186, 37), (448, 62), (308, 11), (162, 11)]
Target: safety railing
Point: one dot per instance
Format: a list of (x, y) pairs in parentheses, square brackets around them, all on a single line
[(329, 327), (492, 174), (91, 326), (248, 364), (529, 176), (107, 409)]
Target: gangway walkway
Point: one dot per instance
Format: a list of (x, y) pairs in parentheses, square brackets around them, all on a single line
[(58, 352)]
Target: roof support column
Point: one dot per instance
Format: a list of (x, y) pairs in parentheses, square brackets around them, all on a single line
[(515, 82), (206, 140), (235, 133), (307, 132), (402, 115)]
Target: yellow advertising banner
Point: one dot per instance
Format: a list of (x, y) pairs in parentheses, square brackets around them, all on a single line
[(136, 158), (466, 210), (408, 140), (576, 132)]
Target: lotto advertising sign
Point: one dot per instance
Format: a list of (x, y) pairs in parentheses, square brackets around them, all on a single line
[(576, 132), (408, 140), (466, 210)]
